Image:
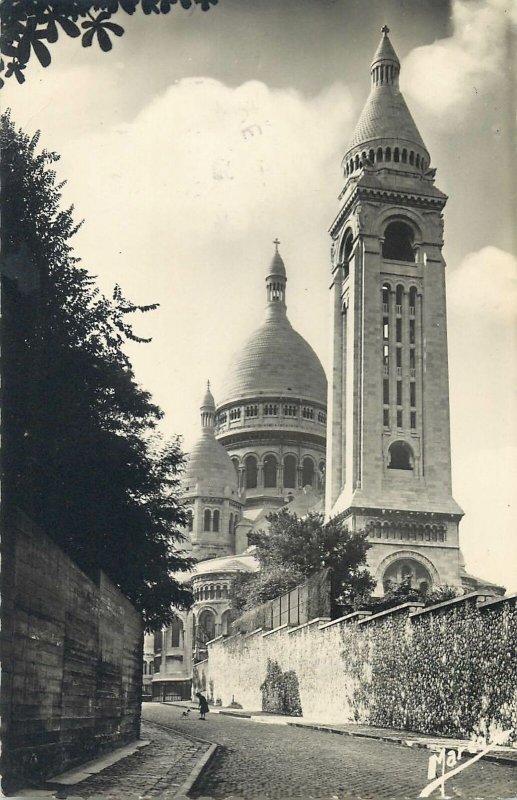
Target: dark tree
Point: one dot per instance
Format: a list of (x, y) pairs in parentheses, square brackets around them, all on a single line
[(29, 26), (81, 452), (294, 548)]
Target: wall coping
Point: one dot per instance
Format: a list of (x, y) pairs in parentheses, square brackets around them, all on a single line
[(217, 639), (280, 628), (454, 601), (251, 633), (347, 618), (496, 600), (306, 624), (395, 609)]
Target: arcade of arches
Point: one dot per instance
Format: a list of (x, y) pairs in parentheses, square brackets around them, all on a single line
[(272, 472)]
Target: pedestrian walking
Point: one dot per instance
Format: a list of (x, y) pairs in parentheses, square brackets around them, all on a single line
[(203, 705)]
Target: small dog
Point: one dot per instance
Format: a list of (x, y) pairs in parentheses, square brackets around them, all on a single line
[(185, 713)]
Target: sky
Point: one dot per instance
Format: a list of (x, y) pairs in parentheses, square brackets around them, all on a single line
[(201, 137)]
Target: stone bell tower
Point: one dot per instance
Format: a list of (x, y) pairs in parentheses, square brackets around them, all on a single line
[(388, 442)]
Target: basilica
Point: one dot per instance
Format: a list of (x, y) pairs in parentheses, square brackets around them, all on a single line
[(372, 448)]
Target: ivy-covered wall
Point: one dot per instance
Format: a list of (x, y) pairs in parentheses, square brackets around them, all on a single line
[(450, 669)]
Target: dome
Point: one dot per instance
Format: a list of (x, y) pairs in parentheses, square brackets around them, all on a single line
[(275, 361), (243, 563), (208, 463), (210, 466)]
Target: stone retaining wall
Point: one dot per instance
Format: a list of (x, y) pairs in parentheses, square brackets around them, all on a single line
[(449, 669), (71, 659)]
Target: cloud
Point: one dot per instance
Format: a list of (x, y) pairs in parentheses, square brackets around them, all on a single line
[(451, 74), (482, 310), (181, 206)]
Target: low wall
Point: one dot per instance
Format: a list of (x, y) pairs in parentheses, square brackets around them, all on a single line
[(449, 669), (71, 660)]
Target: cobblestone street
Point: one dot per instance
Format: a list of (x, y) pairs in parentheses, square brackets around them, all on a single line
[(155, 771), (259, 760)]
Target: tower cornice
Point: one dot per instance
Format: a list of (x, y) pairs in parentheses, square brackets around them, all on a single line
[(435, 201)]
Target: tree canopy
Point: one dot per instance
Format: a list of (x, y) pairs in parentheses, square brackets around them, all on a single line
[(82, 454), (294, 548), (29, 26)]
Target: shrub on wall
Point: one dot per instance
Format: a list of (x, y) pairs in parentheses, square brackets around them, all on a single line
[(280, 691)]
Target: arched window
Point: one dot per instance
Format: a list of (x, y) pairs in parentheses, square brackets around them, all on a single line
[(399, 296), (412, 157), (207, 519), (206, 626), (235, 462), (346, 252), (388, 154), (145, 667), (407, 569), (404, 156), (230, 524), (371, 156), (176, 631), (251, 472), (308, 472), (215, 526), (379, 154), (356, 162), (289, 472), (321, 475), (417, 161), (190, 520), (412, 300), (398, 242), (400, 456), (270, 465), (396, 155)]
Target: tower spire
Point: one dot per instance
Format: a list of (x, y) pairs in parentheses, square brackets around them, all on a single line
[(385, 66), (208, 410), (276, 280)]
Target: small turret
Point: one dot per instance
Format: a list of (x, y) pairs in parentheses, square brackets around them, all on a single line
[(276, 280)]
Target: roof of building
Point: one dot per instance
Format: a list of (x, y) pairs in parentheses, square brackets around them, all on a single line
[(246, 562), (385, 114), (275, 360), (277, 266), (209, 467)]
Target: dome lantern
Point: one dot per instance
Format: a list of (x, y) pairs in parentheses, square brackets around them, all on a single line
[(276, 280), (385, 66), (208, 410)]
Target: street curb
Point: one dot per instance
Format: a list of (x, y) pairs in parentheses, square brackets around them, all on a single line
[(195, 772), (499, 758)]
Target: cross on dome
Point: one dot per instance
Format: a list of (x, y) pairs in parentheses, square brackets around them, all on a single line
[(276, 242), (385, 30)]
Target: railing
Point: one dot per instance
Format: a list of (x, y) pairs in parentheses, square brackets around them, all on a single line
[(305, 602)]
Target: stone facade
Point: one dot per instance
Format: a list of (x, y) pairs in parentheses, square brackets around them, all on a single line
[(71, 659), (388, 445)]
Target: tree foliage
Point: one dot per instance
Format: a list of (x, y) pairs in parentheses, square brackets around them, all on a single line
[(82, 455), (397, 593), (294, 548), (30, 26)]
